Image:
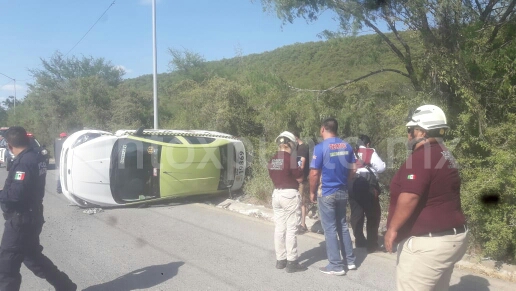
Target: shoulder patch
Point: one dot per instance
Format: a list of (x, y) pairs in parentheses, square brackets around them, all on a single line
[(411, 177), (20, 176)]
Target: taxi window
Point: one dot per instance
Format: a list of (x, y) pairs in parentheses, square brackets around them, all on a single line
[(132, 170), (199, 140), (165, 139)]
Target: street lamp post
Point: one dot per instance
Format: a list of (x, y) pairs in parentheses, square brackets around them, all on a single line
[(14, 80), (155, 66)]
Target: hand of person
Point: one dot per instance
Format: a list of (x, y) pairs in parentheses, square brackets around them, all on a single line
[(390, 237), (312, 198)]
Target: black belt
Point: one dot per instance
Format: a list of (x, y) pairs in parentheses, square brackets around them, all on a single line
[(453, 231)]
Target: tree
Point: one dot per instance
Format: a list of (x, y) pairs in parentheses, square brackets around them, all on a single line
[(8, 103), (69, 94), (59, 69), (187, 63), (3, 116), (439, 23)]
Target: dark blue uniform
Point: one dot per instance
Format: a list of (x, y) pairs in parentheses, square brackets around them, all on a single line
[(21, 201)]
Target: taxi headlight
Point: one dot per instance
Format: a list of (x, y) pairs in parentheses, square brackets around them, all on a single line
[(44, 152)]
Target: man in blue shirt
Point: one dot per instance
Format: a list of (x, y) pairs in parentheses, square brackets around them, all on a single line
[(333, 164)]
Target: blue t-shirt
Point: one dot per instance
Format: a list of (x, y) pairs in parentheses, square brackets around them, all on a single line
[(334, 158)]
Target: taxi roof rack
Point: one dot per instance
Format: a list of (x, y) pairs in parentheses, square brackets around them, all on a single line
[(147, 132)]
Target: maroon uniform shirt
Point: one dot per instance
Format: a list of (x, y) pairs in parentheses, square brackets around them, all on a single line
[(430, 172), (284, 171)]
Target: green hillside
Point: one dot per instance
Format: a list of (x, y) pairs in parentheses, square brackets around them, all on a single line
[(313, 65)]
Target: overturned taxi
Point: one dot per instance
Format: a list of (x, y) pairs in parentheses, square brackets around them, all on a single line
[(99, 168)]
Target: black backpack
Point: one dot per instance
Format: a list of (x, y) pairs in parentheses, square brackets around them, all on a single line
[(365, 182)]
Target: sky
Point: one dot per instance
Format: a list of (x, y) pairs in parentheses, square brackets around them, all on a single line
[(32, 30)]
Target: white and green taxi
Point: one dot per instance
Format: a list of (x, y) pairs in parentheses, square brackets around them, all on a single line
[(99, 168)]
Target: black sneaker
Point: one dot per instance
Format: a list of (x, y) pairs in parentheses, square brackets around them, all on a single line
[(281, 264), (69, 286), (301, 229), (294, 266)]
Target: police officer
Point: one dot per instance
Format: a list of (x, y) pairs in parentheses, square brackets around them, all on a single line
[(21, 201)]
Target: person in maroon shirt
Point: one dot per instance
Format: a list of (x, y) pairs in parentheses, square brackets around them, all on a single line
[(425, 216), (286, 202)]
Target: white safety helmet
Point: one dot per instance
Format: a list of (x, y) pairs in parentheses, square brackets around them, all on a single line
[(428, 117), (285, 137)]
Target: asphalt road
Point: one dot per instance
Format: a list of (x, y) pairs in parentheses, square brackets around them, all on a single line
[(194, 246)]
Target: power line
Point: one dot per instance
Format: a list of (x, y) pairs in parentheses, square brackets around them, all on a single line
[(90, 28)]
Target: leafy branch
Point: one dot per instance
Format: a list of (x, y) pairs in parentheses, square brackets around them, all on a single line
[(351, 81)]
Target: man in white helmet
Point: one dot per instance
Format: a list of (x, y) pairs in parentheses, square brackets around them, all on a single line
[(286, 202), (425, 215)]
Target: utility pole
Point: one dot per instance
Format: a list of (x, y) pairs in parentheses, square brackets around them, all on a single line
[(155, 66), (14, 80)]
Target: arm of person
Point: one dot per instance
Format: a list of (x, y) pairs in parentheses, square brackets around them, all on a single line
[(405, 207), (352, 173), (295, 170), (377, 163), (314, 177), (315, 172), (302, 167)]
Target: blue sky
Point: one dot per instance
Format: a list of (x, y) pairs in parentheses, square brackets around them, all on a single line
[(34, 29)]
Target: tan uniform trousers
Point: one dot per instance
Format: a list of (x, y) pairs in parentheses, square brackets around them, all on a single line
[(287, 215), (426, 263)]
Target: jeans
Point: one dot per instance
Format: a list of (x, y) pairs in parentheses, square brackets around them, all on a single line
[(332, 209)]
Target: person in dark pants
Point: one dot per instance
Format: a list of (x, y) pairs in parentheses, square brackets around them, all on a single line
[(58, 146), (304, 186), (21, 201), (364, 201)]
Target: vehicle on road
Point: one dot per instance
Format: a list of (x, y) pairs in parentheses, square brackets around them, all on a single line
[(99, 168), (6, 157)]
